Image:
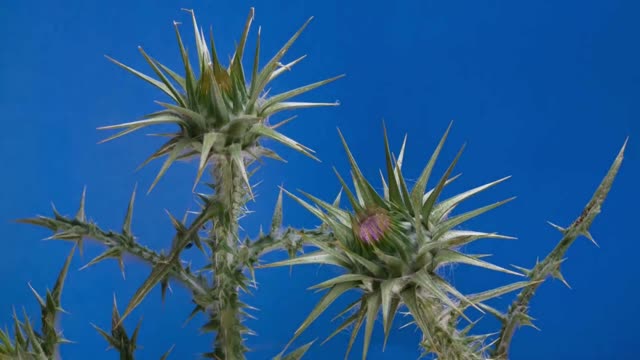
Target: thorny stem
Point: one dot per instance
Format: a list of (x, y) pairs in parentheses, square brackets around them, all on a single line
[(550, 266), (230, 193), (80, 229)]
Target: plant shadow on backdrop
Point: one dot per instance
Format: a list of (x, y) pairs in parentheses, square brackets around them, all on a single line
[(391, 245)]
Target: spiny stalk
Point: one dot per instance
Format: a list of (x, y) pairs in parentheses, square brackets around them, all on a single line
[(550, 266)]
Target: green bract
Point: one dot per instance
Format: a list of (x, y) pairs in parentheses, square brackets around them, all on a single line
[(220, 111)]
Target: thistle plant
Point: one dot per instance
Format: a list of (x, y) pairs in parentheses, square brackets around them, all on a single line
[(391, 246)]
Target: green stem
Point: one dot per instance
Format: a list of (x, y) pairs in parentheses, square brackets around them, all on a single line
[(231, 194)]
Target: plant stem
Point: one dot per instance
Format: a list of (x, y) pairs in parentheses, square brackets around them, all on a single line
[(230, 193)]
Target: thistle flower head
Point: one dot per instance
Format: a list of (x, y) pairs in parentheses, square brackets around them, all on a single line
[(220, 111), (391, 246)]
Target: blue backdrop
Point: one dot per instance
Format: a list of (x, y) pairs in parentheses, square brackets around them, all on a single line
[(545, 91)]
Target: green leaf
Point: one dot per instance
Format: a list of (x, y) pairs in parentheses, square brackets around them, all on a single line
[(450, 223), (276, 220), (446, 256), (427, 282), (266, 74), (256, 63), (159, 272), (177, 78), (445, 206), (112, 252), (177, 150), (80, 215), (189, 75), (236, 69), (393, 188), (373, 305), (340, 279), (126, 226), (332, 209), (367, 192), (147, 78), (457, 238), (494, 293), (344, 324), (62, 275), (207, 143), (166, 355), (392, 311), (419, 188), (431, 200), (286, 67), (285, 106), (312, 209), (175, 94), (322, 305), (352, 200), (297, 354), (354, 333), (272, 134), (295, 92), (318, 257), (195, 117)]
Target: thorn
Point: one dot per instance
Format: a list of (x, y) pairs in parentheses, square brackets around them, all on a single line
[(525, 271), (557, 227), (558, 275), (81, 216), (588, 235), (121, 265)]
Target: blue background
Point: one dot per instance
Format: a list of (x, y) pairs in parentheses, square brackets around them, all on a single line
[(545, 91)]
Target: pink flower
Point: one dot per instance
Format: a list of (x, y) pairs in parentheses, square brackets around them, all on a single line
[(371, 228)]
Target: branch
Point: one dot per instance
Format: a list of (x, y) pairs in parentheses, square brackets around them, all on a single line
[(76, 229), (550, 266)]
